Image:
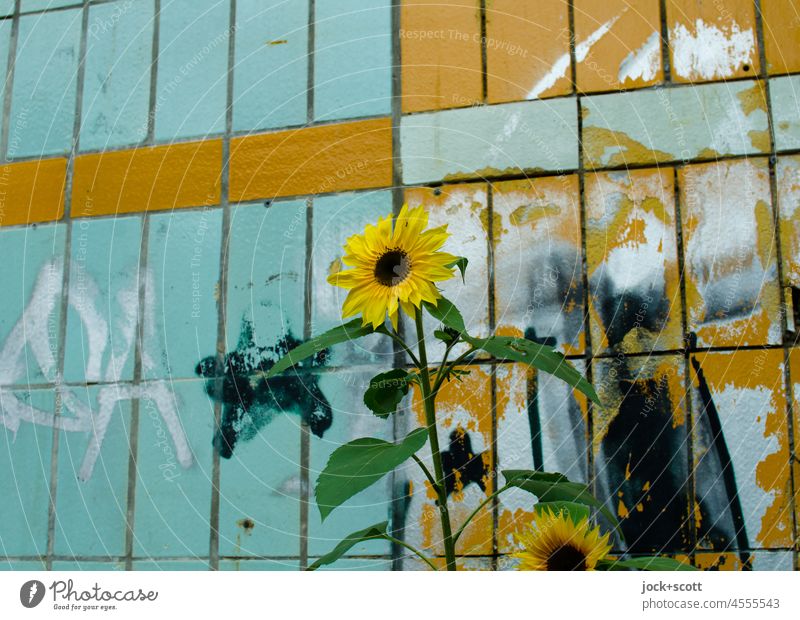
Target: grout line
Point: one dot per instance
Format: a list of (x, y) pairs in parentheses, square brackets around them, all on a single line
[(490, 266), (484, 54), (64, 301), (9, 83), (665, 61), (305, 434), (687, 378), (786, 341)]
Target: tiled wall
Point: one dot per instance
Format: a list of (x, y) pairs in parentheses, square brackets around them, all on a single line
[(178, 178)]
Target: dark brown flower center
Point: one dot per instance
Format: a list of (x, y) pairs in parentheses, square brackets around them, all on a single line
[(566, 557), (392, 268)]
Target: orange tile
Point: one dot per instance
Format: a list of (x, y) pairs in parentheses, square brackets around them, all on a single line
[(618, 44), (712, 40), (312, 160), (147, 179), (440, 54), (794, 369), (32, 191), (781, 35), (527, 49)]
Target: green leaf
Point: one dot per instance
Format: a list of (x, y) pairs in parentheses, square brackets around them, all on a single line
[(385, 392), (342, 333), (647, 563), (461, 262), (576, 511), (556, 488), (446, 312), (537, 355), (443, 335), (359, 464), (372, 532)]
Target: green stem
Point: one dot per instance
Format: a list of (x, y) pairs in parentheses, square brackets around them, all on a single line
[(428, 475), (433, 437), (464, 525), (416, 552), (443, 371), (396, 337)]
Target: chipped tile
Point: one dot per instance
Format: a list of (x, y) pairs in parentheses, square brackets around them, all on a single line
[(538, 261), (712, 40), (785, 97), (741, 450), (632, 261), (681, 124), (730, 256), (787, 174), (618, 44), (527, 50), (441, 52), (640, 449), (488, 141)]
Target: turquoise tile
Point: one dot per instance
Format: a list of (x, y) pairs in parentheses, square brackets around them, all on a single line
[(42, 5), (116, 92), (170, 565), (173, 502), (25, 473), (785, 97), (271, 64), (21, 565), (351, 420), (259, 565), (180, 312), (6, 7), (83, 565), (31, 281), (335, 219), (5, 40), (490, 140), (103, 300), (358, 564), (192, 68), (352, 58), (667, 124), (265, 274), (91, 506), (43, 99), (259, 511)]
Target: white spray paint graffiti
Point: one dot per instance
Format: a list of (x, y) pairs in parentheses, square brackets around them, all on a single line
[(31, 330), (642, 64), (709, 52)]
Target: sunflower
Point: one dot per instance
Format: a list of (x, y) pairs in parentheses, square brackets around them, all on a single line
[(556, 542), (393, 267)]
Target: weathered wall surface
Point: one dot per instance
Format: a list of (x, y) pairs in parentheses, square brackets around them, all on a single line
[(178, 178)]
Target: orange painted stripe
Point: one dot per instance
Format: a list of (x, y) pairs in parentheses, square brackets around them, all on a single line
[(312, 160), (147, 179), (440, 47), (32, 191)]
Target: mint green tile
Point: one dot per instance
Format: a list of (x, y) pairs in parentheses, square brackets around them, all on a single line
[(45, 75), (487, 141), (25, 451), (5, 40), (170, 565), (91, 506), (42, 5), (88, 566), (173, 501), (271, 64), (351, 420), (31, 281), (192, 68), (180, 313), (103, 299), (352, 58), (674, 124), (266, 268), (21, 565), (358, 564), (6, 7), (259, 565), (336, 218), (259, 511), (116, 91), (785, 96)]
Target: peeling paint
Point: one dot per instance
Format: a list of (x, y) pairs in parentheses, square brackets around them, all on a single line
[(709, 52)]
